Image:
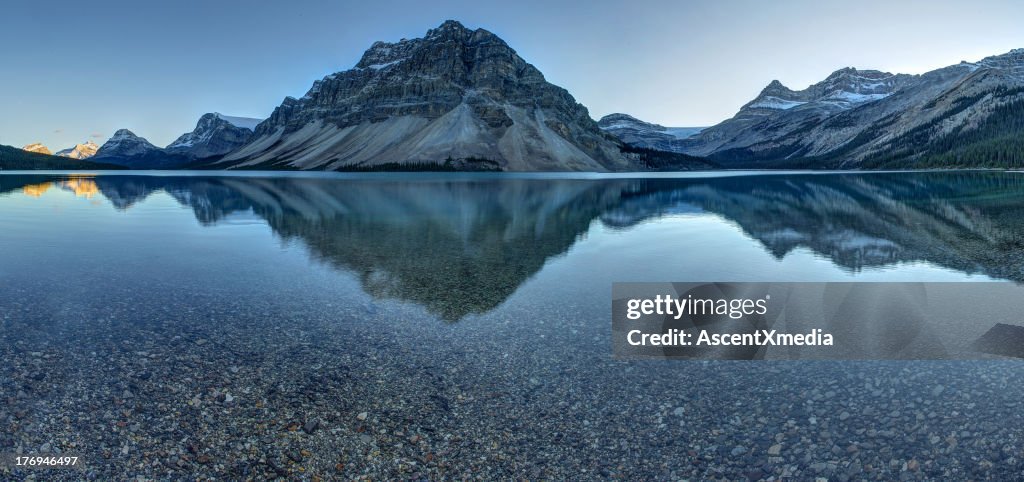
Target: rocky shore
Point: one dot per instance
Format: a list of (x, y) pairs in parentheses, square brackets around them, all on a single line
[(254, 390)]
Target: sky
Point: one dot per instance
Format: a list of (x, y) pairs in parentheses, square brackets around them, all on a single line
[(75, 71)]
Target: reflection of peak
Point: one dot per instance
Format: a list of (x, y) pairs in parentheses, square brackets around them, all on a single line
[(459, 248), (36, 190)]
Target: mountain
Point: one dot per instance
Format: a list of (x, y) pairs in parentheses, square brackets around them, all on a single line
[(963, 115), (80, 151), (124, 143), (38, 148), (12, 158), (129, 150), (457, 97), (215, 135), (636, 132)]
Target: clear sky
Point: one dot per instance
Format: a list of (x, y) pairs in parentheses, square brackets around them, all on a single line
[(74, 71)]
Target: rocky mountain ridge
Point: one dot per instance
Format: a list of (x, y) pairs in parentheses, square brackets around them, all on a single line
[(638, 133), (215, 135), (37, 147), (454, 95), (79, 151), (864, 118)]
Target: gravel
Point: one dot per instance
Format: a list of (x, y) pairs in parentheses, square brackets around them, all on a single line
[(329, 396)]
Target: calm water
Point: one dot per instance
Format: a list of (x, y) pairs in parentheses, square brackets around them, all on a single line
[(430, 326)]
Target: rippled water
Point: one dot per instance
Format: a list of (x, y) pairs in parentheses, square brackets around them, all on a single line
[(457, 326)]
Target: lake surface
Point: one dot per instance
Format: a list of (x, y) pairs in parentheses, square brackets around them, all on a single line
[(318, 326)]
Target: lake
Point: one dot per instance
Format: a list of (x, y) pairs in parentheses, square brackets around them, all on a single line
[(425, 326)]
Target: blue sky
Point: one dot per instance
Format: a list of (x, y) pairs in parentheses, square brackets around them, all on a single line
[(74, 71)]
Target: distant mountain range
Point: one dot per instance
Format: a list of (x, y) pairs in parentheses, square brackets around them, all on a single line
[(12, 158), (214, 135), (964, 115), (462, 99)]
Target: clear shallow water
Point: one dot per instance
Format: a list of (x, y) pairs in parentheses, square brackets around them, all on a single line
[(468, 317)]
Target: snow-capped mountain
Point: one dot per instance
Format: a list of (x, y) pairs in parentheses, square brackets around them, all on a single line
[(80, 151), (843, 89), (127, 149), (456, 94), (638, 133), (215, 135), (124, 143), (37, 147), (867, 118)]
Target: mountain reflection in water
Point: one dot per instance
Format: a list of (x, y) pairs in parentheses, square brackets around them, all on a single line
[(462, 246)]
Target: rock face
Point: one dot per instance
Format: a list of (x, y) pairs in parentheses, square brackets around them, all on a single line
[(215, 135), (638, 133), (124, 143), (127, 149), (80, 151), (865, 118), (37, 148), (456, 94)]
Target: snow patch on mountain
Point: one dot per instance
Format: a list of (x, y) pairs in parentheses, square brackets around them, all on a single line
[(243, 122), (772, 102)]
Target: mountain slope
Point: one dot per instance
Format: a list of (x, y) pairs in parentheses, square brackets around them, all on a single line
[(80, 151), (957, 116), (214, 135), (456, 94), (638, 133)]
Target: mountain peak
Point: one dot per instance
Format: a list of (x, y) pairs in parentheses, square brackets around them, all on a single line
[(124, 143), (841, 72), (448, 26), (123, 134), (37, 147), (215, 134), (80, 151), (454, 94)]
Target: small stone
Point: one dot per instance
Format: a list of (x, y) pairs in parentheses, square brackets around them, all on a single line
[(938, 390), (738, 450), (362, 416), (843, 416), (310, 426), (679, 411), (775, 450)]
